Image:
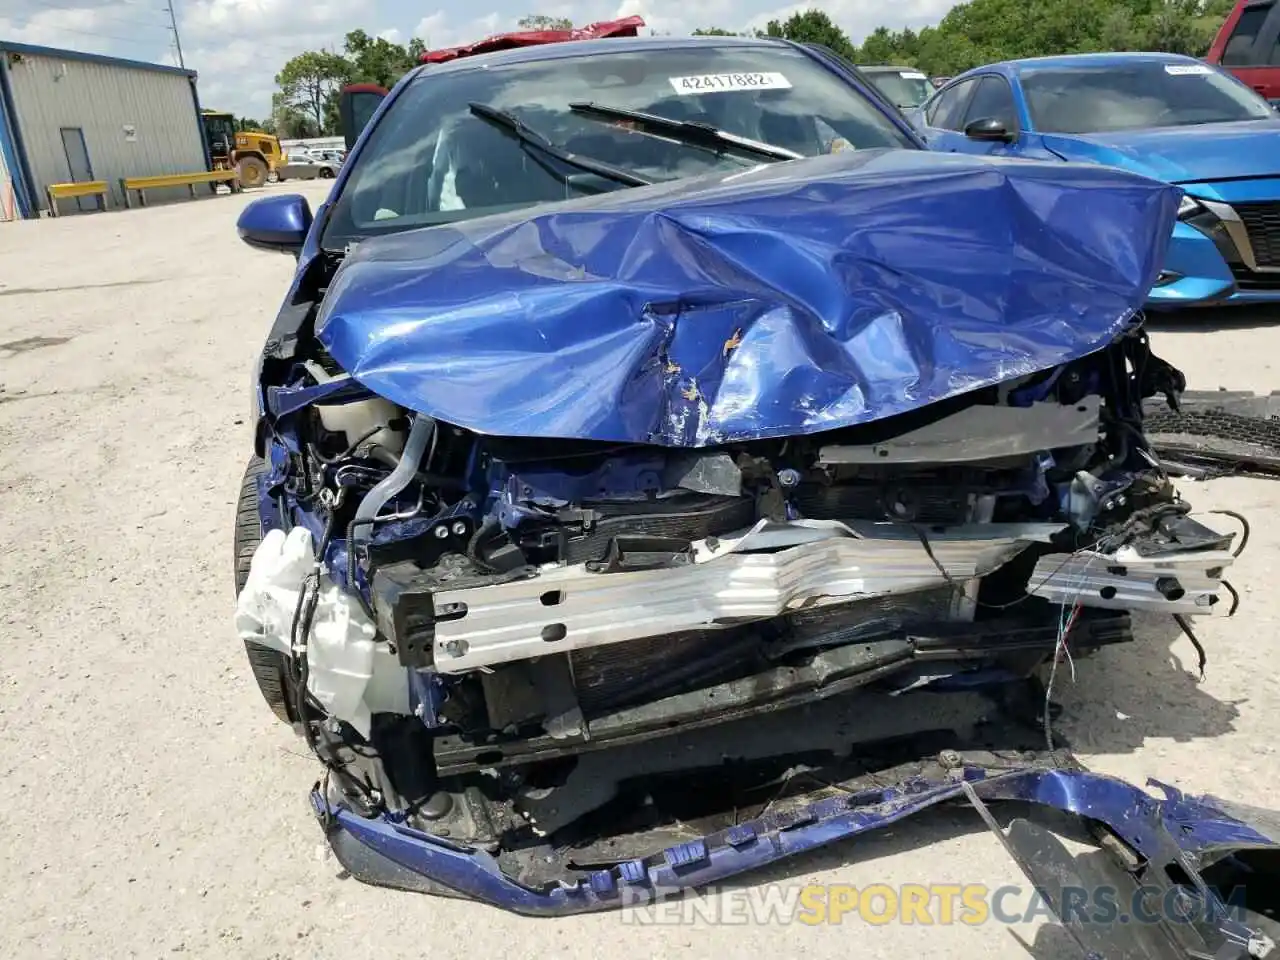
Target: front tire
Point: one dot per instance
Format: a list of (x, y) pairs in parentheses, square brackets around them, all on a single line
[(270, 667), (252, 172)]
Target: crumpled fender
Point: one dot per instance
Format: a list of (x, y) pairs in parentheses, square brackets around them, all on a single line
[(789, 299)]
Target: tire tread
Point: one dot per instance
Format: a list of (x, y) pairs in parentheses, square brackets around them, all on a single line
[(269, 666)]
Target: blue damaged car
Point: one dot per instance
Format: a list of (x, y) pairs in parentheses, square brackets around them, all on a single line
[(1164, 116), (651, 412)]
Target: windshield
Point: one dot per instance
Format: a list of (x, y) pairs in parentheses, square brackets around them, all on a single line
[(1136, 95), (218, 129), (906, 88), (431, 160)]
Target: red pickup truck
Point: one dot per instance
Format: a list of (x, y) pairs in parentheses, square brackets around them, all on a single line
[(1248, 45)]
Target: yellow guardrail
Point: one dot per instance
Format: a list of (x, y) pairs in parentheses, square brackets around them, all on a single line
[(67, 191), (140, 185)]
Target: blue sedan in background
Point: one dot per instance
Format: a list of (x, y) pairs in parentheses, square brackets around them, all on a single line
[(1164, 116)]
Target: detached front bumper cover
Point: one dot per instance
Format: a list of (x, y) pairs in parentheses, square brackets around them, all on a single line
[(1168, 836)]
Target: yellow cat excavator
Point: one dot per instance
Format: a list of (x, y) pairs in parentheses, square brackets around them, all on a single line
[(251, 153)]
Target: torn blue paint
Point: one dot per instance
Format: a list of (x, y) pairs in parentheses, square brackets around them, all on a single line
[(789, 299)]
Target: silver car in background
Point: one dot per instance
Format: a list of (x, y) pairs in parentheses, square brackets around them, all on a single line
[(299, 165)]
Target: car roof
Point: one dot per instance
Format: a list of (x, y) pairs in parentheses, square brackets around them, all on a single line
[(1081, 60), (587, 48)]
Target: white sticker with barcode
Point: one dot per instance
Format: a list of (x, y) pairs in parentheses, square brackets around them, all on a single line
[(727, 82), (912, 75), (1187, 69)]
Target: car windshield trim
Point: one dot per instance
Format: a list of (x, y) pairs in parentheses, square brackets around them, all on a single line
[(527, 136), (689, 133)]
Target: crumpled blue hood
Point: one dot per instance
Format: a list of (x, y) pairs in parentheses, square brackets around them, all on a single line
[(788, 299), (1185, 154)]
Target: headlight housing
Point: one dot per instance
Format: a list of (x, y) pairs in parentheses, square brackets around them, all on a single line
[(1189, 207), (1201, 215)]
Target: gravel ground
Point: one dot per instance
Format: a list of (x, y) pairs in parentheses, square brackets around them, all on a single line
[(153, 805)]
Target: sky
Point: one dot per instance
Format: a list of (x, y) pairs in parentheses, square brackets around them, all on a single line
[(238, 46)]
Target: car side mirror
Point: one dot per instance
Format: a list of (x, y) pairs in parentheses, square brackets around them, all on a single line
[(357, 104), (278, 224), (988, 129)]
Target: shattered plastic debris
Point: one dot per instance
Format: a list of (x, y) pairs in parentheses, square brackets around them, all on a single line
[(341, 645)]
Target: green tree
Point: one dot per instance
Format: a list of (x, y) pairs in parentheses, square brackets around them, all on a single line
[(813, 26), (1119, 29), (984, 31), (309, 84), (289, 122), (715, 32), (375, 60), (1174, 27), (881, 47), (539, 21)]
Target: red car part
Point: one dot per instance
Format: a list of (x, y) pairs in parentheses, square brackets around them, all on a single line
[(626, 27), (1248, 44)]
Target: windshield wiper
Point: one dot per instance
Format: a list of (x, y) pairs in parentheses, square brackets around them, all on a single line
[(516, 127), (686, 131)]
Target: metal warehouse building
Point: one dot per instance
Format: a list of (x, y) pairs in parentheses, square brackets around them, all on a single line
[(70, 116)]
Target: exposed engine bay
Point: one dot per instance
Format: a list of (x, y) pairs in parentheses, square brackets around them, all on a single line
[(459, 623)]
